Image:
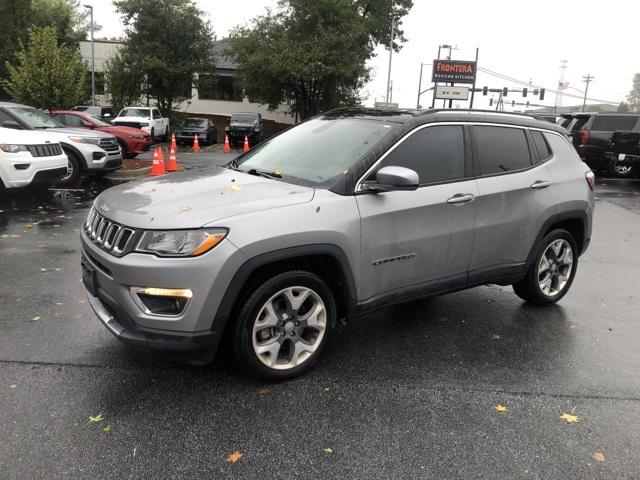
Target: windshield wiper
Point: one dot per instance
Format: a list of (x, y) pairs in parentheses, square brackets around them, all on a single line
[(261, 173)]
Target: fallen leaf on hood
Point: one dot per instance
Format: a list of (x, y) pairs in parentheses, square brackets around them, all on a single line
[(328, 450), (599, 457), (569, 418), (96, 419), (496, 337), (234, 188), (35, 318), (572, 326), (82, 301), (185, 209), (278, 171), (42, 269), (501, 409), (263, 392), (13, 387), (235, 456)]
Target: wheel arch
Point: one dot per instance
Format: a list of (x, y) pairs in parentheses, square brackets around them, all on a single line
[(574, 221), (76, 152)]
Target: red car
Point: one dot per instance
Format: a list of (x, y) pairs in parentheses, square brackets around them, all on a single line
[(132, 140)]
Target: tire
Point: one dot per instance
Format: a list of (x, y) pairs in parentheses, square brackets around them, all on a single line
[(289, 346), (73, 169), (530, 289), (619, 169), (125, 152), (152, 133), (165, 137)]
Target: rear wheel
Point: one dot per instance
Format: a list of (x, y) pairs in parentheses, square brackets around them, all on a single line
[(551, 273), (620, 169), (73, 169), (284, 326)]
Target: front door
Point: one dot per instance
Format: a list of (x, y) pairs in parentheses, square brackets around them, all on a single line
[(416, 240)]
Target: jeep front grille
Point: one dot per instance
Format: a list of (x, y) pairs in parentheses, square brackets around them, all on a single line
[(45, 150), (111, 237)]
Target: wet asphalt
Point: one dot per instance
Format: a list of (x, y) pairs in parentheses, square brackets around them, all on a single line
[(408, 392)]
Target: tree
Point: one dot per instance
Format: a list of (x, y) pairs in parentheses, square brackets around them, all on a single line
[(623, 107), (71, 23), (124, 79), (313, 53), (15, 16), (170, 42), (46, 74), (634, 95)]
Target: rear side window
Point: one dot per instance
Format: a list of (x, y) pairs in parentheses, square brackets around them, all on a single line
[(436, 154), (501, 149), (540, 143), (611, 123), (579, 123)]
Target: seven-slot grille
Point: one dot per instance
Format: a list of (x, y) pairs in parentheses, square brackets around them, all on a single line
[(45, 150), (128, 124), (109, 236), (109, 144)]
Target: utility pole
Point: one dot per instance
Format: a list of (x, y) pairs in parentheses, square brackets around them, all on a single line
[(435, 84), (561, 85), (586, 79), (419, 87), (390, 56), (93, 59), (473, 88)]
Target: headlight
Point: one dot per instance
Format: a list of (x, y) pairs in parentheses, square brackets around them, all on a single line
[(12, 148), (181, 243), (91, 140)]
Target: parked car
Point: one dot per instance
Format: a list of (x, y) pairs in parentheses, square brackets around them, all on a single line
[(623, 153), (95, 153), (133, 141), (344, 213), (245, 124), (106, 114), (203, 127), (590, 133), (148, 119), (28, 158)]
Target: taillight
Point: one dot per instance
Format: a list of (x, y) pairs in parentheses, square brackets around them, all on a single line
[(584, 137), (591, 179)]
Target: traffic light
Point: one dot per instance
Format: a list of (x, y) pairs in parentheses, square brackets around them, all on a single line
[(513, 103), (505, 90), (527, 104), (535, 91), (491, 102), (542, 94), (485, 90), (525, 90)]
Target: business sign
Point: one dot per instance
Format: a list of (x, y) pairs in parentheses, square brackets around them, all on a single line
[(387, 105), (444, 92), (454, 71)]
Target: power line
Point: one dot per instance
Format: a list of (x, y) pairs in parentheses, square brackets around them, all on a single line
[(522, 82)]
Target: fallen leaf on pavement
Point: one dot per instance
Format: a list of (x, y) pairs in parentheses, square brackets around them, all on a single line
[(572, 326), (13, 387), (327, 388), (96, 419), (107, 429), (569, 418), (599, 457), (29, 226), (263, 392), (328, 450), (42, 269), (82, 301), (495, 337), (35, 317), (235, 456), (501, 409)]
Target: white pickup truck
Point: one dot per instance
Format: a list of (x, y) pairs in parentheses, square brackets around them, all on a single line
[(28, 157), (148, 119)]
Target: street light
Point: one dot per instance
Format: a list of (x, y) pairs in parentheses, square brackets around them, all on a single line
[(93, 59), (420, 91)]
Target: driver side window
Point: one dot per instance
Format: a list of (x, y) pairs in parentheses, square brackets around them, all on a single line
[(436, 154), (73, 121)]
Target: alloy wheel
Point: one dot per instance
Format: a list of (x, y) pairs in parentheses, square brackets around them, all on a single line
[(622, 169), (289, 328), (69, 173), (555, 267)]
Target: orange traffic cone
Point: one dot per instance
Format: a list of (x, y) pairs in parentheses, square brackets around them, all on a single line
[(157, 168), (174, 146), (245, 147), (196, 144), (172, 165), (227, 147)]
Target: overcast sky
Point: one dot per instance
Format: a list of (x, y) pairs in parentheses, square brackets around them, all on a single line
[(523, 40)]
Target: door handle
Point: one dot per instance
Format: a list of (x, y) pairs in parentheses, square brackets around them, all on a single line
[(460, 199), (540, 184)]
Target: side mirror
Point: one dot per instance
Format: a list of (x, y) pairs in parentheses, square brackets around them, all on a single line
[(393, 178), (12, 124)]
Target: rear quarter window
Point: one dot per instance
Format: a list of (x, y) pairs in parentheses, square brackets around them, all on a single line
[(561, 148), (544, 152), (611, 123)]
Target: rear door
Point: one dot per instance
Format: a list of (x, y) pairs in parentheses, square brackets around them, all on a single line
[(420, 239), (514, 199)]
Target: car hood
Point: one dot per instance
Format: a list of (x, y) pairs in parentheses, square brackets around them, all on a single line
[(77, 131), (26, 137), (196, 198), (131, 119), (124, 131)]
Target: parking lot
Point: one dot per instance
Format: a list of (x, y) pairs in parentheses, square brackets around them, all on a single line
[(410, 392)]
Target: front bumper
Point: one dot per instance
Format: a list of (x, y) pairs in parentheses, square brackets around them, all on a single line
[(38, 169), (208, 276)]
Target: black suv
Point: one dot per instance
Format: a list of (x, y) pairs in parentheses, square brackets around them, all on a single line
[(590, 133), (241, 124)]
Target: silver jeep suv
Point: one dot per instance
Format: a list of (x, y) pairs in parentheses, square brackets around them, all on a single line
[(344, 213)]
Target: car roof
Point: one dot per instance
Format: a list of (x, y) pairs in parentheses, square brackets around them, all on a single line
[(11, 104), (412, 116)]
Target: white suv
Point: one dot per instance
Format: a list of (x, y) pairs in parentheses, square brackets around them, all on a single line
[(28, 157)]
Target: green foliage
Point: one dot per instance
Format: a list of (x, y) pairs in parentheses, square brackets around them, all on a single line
[(70, 21), (125, 80), (170, 42), (46, 74), (634, 95), (623, 107), (313, 53), (15, 22)]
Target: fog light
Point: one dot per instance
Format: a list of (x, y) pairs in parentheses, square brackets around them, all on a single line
[(162, 301)]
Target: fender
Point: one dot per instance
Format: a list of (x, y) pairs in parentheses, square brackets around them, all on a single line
[(580, 215), (83, 161), (251, 265)]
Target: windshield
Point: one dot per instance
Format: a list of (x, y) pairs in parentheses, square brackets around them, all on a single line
[(99, 123), (193, 122), (34, 118), (134, 112), (244, 118), (316, 152)]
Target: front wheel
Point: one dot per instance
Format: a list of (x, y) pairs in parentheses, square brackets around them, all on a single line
[(73, 169), (552, 271), (284, 326)]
